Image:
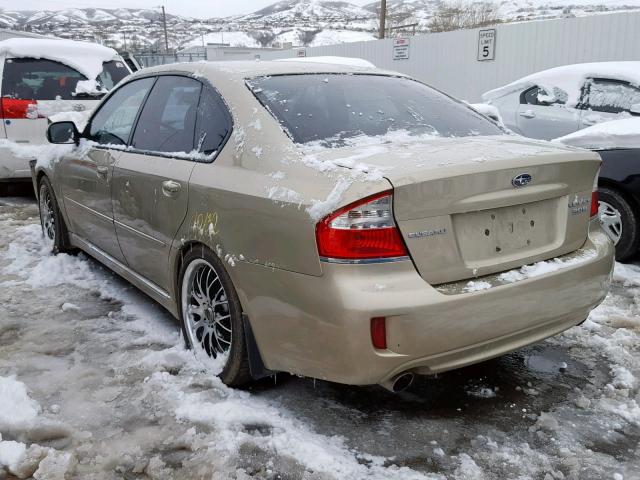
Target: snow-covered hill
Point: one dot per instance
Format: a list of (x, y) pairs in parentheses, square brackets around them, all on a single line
[(301, 22)]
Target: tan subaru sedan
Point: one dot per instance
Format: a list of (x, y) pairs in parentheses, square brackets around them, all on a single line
[(337, 222)]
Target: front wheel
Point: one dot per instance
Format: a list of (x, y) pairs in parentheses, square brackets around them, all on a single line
[(211, 315), (619, 220), (54, 229)]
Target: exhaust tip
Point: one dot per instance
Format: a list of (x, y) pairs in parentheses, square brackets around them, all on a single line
[(399, 383), (403, 382)]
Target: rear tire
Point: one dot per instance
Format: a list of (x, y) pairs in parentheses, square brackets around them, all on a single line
[(54, 229), (612, 203), (211, 315)]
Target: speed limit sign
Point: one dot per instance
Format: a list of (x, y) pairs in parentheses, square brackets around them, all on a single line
[(486, 44)]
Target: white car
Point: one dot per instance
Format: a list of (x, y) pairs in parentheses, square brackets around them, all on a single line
[(44, 77), (562, 100)]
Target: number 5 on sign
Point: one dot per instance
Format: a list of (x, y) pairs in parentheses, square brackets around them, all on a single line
[(486, 44)]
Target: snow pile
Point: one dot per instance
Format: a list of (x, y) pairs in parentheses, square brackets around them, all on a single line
[(45, 154), (89, 87), (565, 83), (488, 111), (623, 133), (18, 409), (86, 58), (547, 266), (79, 118)]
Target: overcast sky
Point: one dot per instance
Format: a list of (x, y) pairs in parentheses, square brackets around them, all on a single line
[(193, 8)]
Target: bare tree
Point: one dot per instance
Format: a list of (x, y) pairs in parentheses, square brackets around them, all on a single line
[(461, 14), (263, 37)]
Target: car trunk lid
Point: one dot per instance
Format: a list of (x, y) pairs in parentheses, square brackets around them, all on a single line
[(465, 209)]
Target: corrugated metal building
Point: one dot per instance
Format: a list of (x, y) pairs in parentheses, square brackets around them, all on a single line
[(450, 61)]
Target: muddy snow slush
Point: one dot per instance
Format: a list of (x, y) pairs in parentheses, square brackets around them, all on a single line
[(333, 221)]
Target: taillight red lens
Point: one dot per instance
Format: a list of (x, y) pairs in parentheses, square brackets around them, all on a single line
[(362, 230), (594, 203), (379, 332), (18, 108)]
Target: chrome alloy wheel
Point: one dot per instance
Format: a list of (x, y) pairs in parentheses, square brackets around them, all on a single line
[(47, 215), (205, 309), (611, 221)]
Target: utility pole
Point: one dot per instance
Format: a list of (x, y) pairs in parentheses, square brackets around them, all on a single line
[(164, 22), (383, 18)]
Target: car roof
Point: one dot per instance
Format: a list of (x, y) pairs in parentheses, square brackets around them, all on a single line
[(240, 70)]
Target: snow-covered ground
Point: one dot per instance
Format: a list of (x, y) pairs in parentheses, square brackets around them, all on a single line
[(94, 384)]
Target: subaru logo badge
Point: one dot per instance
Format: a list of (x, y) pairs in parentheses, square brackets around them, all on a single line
[(521, 180)]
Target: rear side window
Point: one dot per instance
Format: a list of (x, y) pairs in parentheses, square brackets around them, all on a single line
[(611, 96), (168, 119), (112, 73), (39, 79), (213, 123), (112, 124), (331, 108)]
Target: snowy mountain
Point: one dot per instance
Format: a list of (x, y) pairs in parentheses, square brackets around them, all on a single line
[(299, 22)]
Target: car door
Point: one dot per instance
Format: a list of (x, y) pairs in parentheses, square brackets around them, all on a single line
[(606, 99), (151, 179), (545, 116), (86, 175)]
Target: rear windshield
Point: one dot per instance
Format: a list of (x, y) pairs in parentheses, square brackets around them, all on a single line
[(335, 107), (41, 79)]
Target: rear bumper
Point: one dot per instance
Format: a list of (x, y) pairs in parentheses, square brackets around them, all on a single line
[(13, 168), (320, 326)]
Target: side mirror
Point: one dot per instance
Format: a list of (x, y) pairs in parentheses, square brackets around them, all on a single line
[(63, 133), (635, 109)]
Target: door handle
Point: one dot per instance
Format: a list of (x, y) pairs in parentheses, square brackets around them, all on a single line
[(528, 114), (102, 171), (170, 188)]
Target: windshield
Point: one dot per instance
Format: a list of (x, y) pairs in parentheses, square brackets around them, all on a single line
[(332, 108)]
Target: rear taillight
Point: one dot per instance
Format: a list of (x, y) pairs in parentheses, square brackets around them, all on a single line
[(594, 196), (17, 108), (363, 230)]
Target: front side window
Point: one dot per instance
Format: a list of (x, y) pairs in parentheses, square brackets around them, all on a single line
[(39, 79), (538, 96), (611, 96), (112, 124), (168, 119), (333, 107)]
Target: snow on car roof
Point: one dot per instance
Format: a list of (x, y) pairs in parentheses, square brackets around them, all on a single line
[(87, 58), (349, 61), (570, 78), (623, 133), (227, 71)]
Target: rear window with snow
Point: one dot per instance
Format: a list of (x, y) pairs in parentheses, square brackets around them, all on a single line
[(42, 79), (39, 79), (331, 108)]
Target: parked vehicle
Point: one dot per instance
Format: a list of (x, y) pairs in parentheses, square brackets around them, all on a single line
[(43, 77), (618, 143), (332, 221), (562, 100)]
